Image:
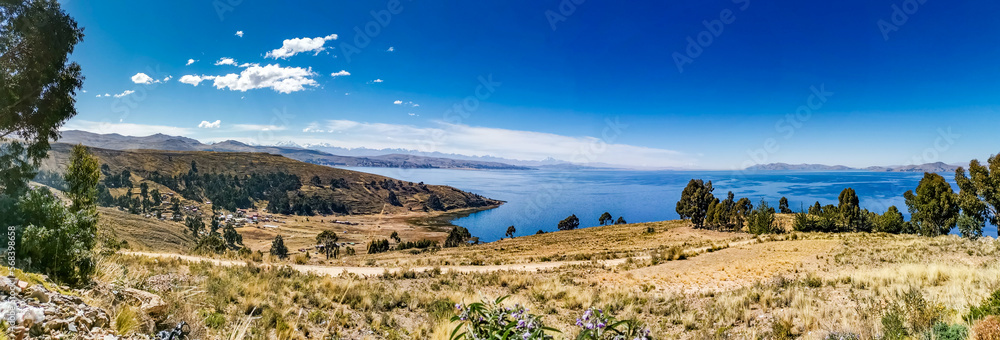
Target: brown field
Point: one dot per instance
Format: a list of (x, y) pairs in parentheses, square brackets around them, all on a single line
[(726, 285)]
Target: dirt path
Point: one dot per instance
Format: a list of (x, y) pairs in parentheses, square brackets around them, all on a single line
[(372, 271)]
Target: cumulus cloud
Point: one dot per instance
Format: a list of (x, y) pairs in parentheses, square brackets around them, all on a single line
[(167, 78), (226, 61), (194, 79), (398, 102), (239, 34), (107, 95), (375, 81), (210, 125), (291, 47), (391, 49), (483, 141), (190, 61), (280, 79), (127, 92), (98, 95), (127, 129), (341, 73), (142, 78)]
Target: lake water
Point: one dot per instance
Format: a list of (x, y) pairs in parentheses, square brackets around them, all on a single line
[(539, 199)]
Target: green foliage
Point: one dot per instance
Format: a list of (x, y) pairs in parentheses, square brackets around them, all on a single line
[(943, 331), (458, 236), (728, 214), (851, 214), (37, 85), (378, 246), (569, 223), (329, 239), (970, 226), (278, 247), (893, 324), (761, 220), (989, 306), (395, 237), (694, 201), (422, 244), (594, 324), (195, 225), (233, 238), (605, 218), (57, 240), (891, 221), (934, 206), (783, 206), (490, 320), (621, 220), (210, 244), (980, 194), (510, 231)]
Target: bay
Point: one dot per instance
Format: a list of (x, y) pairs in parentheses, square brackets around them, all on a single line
[(539, 199)]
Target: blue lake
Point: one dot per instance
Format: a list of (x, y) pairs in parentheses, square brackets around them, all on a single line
[(539, 199)]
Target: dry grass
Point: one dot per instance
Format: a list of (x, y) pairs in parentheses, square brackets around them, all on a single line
[(730, 285)]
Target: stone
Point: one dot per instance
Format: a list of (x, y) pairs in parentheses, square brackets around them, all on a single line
[(39, 294)]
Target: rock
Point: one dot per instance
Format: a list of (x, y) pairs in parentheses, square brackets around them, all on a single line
[(151, 303), (56, 325), (39, 294)]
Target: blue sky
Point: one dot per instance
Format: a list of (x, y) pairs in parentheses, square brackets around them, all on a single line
[(584, 81)]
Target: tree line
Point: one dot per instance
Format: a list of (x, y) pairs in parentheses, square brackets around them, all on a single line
[(935, 208)]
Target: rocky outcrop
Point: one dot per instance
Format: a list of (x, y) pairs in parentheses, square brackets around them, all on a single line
[(37, 312)]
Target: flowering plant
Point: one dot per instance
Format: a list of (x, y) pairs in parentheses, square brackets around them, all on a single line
[(596, 325), (490, 320)]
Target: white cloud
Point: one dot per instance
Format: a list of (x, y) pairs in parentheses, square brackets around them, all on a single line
[(194, 79), (142, 78), (483, 141), (127, 129), (341, 73), (398, 102), (107, 95), (239, 34), (190, 61), (98, 95), (313, 127), (84, 91), (391, 49), (127, 92), (167, 78), (412, 114), (291, 47), (226, 61), (376, 81), (210, 125), (280, 79), (257, 127)]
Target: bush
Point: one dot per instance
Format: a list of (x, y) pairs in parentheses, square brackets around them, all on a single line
[(596, 325), (211, 244), (989, 306), (422, 244), (490, 320), (943, 331), (987, 329)]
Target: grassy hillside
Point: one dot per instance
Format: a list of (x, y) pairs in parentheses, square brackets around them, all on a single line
[(364, 193)]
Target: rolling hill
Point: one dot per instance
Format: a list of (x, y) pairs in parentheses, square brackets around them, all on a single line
[(356, 192), (176, 143)]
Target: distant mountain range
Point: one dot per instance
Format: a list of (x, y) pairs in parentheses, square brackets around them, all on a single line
[(929, 167), (176, 143)]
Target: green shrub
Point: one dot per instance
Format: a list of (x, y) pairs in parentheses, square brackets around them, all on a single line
[(893, 326), (943, 331), (490, 320), (989, 306)]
